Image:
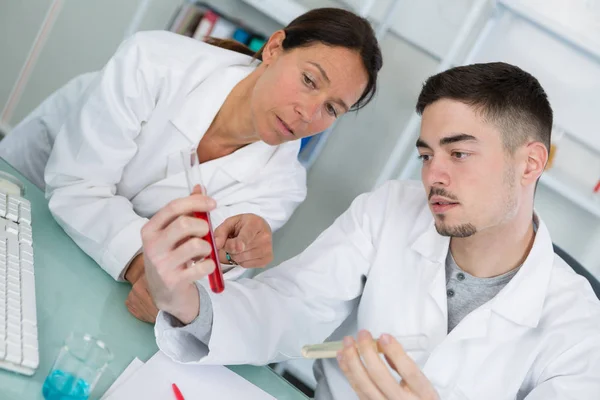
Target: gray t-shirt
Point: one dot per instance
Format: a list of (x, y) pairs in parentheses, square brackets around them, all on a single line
[(466, 292)]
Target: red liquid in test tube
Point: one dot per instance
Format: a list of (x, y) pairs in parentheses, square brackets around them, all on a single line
[(192, 173), (215, 279)]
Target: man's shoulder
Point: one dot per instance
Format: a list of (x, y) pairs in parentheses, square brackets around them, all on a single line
[(570, 300)]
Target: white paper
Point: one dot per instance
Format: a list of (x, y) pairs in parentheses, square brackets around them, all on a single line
[(154, 379), (126, 374)]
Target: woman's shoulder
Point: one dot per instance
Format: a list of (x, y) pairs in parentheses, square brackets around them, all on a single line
[(172, 48)]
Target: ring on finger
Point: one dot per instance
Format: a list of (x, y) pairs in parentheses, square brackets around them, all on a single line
[(230, 260)]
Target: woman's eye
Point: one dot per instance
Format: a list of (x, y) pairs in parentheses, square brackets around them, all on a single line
[(309, 82), (331, 110)]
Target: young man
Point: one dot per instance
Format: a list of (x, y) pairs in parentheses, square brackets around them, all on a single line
[(461, 259)]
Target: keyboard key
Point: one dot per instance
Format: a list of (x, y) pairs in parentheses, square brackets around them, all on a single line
[(27, 267), (13, 304), (26, 249), (28, 300), (13, 285), (24, 215), (30, 341), (16, 296), (12, 198), (13, 325), (28, 258), (29, 329), (18, 200), (2, 211), (11, 272), (25, 228), (12, 214), (13, 353), (13, 250), (30, 358), (25, 238), (14, 339), (12, 227)]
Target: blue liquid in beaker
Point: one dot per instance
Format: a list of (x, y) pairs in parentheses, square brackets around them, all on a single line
[(60, 385)]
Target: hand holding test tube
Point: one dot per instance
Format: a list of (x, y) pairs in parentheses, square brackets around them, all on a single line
[(194, 180)]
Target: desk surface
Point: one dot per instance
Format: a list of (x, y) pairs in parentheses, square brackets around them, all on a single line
[(74, 294)]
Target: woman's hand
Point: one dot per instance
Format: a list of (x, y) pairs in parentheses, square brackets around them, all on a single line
[(171, 242), (139, 302), (248, 240)]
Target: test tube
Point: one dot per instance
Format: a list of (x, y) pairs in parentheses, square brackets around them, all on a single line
[(330, 349), (194, 178)]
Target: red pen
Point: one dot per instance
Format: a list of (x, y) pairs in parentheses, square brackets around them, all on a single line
[(177, 392)]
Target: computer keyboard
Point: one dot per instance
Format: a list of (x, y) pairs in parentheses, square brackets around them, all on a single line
[(18, 318)]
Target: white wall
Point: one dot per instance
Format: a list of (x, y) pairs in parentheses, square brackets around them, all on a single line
[(19, 21)]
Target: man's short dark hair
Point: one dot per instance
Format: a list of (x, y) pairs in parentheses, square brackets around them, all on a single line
[(504, 94)]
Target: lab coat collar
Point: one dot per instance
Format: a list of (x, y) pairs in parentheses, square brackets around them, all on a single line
[(430, 244), (199, 109), (203, 102), (248, 161), (522, 299)]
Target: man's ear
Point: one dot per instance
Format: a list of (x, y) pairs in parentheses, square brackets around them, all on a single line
[(536, 158), (273, 48)]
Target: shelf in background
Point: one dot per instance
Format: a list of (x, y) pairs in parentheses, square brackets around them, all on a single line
[(588, 43), (282, 11), (572, 191)]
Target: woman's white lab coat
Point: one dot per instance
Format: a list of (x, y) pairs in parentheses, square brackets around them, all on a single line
[(116, 160), (538, 339)]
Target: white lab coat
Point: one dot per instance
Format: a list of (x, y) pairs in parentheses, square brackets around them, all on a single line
[(116, 160), (538, 339)]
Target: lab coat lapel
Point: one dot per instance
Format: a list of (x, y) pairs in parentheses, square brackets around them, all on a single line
[(194, 118), (433, 248), (203, 102), (522, 300)]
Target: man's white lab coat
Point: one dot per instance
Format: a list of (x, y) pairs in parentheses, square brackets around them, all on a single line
[(538, 339)]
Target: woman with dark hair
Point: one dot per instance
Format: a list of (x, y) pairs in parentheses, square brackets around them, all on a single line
[(106, 146)]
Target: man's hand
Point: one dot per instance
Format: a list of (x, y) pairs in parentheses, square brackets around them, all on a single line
[(371, 378), (139, 302), (248, 240), (172, 242)]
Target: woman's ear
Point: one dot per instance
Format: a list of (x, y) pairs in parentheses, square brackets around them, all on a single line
[(274, 47), (537, 157)]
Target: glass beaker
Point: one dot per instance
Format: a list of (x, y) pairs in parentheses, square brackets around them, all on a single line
[(77, 368)]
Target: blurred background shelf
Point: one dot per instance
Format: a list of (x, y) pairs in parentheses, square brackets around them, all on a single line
[(579, 195)]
